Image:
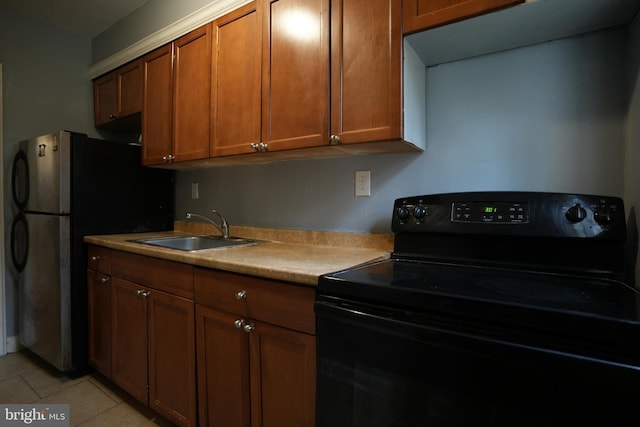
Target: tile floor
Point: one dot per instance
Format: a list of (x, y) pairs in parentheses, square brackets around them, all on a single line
[(93, 400)]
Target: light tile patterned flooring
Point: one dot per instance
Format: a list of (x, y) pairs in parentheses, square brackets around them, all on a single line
[(93, 400)]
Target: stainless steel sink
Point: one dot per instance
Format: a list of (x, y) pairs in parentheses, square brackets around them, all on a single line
[(195, 243)]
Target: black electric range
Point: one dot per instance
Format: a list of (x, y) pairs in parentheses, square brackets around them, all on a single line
[(530, 279)]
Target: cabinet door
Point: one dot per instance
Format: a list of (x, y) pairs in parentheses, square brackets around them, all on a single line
[(223, 370), (172, 357), (105, 98), (236, 82), (425, 14), (129, 338), (295, 86), (157, 106), (366, 63), (99, 321), (192, 95), (129, 78), (283, 372)]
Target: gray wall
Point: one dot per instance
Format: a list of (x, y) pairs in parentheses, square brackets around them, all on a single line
[(543, 118), (151, 17), (46, 88)]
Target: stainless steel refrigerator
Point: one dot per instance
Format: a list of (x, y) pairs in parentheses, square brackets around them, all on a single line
[(65, 186)]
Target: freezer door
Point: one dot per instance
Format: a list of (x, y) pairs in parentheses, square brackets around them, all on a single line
[(44, 290), (40, 177)]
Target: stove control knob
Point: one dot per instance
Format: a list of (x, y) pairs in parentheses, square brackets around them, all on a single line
[(603, 215), (576, 213), (419, 212), (402, 213)]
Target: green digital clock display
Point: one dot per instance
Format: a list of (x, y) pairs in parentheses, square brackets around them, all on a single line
[(490, 209)]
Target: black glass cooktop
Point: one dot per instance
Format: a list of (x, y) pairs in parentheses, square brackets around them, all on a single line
[(410, 283)]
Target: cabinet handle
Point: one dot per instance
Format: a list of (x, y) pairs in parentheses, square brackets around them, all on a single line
[(261, 147), (239, 323), (249, 327), (241, 295), (334, 139), (104, 280), (95, 258), (143, 293)]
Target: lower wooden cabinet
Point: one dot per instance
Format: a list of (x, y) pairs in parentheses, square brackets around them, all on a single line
[(253, 373), (99, 308), (154, 323), (129, 338), (143, 338)]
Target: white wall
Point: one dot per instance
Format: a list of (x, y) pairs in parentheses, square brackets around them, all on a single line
[(543, 118)]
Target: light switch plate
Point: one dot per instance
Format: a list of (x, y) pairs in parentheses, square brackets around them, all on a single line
[(194, 191)]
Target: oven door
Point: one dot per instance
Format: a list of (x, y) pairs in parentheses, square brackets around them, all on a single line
[(379, 368)]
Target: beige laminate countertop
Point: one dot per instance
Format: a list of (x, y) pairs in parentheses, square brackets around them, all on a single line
[(290, 255)]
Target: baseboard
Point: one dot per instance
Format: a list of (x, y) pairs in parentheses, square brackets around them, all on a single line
[(13, 344)]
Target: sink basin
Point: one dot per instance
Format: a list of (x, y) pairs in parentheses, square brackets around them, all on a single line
[(194, 243)]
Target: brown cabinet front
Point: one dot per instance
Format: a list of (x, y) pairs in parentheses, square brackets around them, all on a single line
[(177, 100), (192, 95), (99, 321), (256, 351), (295, 85), (223, 370), (424, 14), (118, 95), (172, 368), (366, 65), (142, 332), (129, 338), (236, 82), (158, 105)]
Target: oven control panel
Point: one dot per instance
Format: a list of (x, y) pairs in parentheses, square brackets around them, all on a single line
[(482, 212), (512, 213)]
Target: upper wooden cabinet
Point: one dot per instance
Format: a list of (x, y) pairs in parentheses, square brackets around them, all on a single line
[(366, 71), (236, 81), (118, 96), (295, 82), (177, 98), (424, 14)]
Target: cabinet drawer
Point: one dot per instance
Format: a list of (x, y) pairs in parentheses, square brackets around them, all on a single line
[(99, 259), (172, 277), (279, 303)]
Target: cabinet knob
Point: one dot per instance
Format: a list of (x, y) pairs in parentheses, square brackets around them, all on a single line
[(143, 293), (95, 258), (254, 146), (263, 147), (334, 139), (239, 323), (241, 295), (249, 327), (169, 158), (104, 280)]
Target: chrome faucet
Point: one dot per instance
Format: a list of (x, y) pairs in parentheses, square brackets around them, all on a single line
[(223, 227)]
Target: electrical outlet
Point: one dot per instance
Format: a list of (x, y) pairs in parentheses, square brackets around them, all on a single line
[(194, 191), (363, 183)]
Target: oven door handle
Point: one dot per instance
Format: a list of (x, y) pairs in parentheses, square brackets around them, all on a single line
[(397, 323)]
